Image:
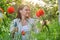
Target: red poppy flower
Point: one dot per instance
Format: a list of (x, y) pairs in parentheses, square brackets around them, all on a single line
[(23, 33), (10, 10), (39, 13)]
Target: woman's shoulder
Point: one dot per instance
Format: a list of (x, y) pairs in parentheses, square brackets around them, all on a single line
[(16, 20), (31, 20)]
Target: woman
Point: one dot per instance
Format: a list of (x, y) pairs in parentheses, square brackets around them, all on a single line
[(22, 26)]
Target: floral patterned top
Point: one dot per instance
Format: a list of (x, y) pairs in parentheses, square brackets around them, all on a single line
[(27, 29)]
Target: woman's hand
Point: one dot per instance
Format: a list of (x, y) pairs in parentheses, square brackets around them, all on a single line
[(15, 29)]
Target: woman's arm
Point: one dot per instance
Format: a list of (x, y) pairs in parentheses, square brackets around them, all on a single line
[(34, 27), (13, 28)]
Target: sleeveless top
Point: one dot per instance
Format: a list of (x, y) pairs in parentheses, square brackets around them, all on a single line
[(26, 28)]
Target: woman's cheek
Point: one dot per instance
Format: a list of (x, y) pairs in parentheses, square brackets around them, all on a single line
[(24, 13)]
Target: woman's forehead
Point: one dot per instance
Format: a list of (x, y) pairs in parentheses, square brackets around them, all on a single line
[(26, 7)]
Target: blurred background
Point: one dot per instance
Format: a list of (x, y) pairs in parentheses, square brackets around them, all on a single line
[(50, 8)]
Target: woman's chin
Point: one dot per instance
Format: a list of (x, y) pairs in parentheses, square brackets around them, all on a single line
[(27, 17)]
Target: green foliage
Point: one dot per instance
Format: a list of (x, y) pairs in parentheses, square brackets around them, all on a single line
[(50, 14)]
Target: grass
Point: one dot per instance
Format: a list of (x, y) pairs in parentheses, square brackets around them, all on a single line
[(54, 33)]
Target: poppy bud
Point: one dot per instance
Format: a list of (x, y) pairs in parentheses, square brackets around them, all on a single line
[(23, 33)]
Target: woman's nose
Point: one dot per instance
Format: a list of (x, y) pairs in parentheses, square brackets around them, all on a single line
[(28, 11)]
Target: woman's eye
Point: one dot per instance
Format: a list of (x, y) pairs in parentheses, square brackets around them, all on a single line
[(27, 10)]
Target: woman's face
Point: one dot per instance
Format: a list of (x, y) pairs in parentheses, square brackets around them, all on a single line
[(25, 12)]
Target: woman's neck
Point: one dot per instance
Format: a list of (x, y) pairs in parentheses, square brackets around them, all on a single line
[(23, 20)]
